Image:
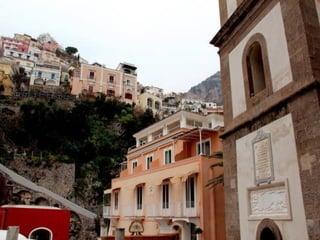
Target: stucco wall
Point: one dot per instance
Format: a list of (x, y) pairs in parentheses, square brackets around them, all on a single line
[(285, 163), (278, 58)]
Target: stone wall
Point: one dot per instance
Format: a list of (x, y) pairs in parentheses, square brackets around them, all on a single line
[(56, 177), (305, 110)]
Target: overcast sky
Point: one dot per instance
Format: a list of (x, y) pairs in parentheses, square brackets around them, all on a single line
[(167, 40)]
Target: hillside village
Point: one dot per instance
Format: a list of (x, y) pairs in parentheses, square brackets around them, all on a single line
[(251, 172), (40, 75), (41, 67)]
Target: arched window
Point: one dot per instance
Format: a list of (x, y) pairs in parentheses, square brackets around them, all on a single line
[(157, 105), (256, 70), (149, 102), (256, 75)]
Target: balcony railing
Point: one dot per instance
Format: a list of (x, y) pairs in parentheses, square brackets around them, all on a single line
[(106, 211), (176, 209)]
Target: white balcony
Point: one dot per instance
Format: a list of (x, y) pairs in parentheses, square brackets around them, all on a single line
[(106, 211), (176, 209)]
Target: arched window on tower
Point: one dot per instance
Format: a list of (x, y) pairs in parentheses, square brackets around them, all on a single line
[(255, 68)]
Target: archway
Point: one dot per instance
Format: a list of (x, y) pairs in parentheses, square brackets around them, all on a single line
[(41, 234), (268, 230)]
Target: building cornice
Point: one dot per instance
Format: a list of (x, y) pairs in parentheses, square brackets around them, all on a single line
[(234, 20)]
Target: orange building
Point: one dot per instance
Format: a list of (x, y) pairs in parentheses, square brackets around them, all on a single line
[(96, 78), (162, 189)]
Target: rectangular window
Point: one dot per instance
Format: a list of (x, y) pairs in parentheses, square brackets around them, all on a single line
[(149, 161), (111, 93), (139, 197), (116, 200), (77, 74), (167, 156), (165, 196), (39, 74), (128, 96), (91, 75), (190, 192), (52, 75), (134, 165), (111, 79), (204, 148)]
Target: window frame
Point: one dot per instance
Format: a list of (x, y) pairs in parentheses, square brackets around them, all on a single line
[(128, 96), (139, 197), (204, 147), (116, 200), (253, 99), (111, 79), (165, 156), (91, 75), (149, 102), (190, 192), (134, 164), (165, 195), (148, 164)]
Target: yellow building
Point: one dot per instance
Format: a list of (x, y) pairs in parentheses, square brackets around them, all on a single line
[(8, 68), (149, 101), (96, 78), (162, 189)]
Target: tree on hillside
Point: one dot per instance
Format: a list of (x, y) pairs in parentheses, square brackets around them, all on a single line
[(71, 50), (94, 135)]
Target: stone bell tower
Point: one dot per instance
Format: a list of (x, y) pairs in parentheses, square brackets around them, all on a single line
[(270, 69)]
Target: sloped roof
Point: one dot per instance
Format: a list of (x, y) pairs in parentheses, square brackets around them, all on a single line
[(34, 187)]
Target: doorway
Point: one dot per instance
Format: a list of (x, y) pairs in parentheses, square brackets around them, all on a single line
[(41, 234), (268, 230)]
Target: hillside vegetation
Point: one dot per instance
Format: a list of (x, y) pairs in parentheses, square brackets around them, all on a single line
[(94, 135)]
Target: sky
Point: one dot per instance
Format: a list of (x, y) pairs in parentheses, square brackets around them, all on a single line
[(167, 40)]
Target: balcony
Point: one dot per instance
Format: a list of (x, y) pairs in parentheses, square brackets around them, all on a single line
[(109, 213), (132, 211), (106, 211), (155, 210), (91, 79)]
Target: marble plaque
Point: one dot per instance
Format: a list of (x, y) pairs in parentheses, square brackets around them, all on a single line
[(270, 201), (262, 155)]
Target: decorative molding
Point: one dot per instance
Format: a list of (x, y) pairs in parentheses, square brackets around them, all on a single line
[(262, 158), (269, 201), (136, 227)]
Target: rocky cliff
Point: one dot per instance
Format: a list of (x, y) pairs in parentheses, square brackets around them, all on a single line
[(208, 90)]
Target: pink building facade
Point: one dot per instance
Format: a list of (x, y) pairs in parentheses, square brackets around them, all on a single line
[(162, 186), (97, 79), (15, 44)]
